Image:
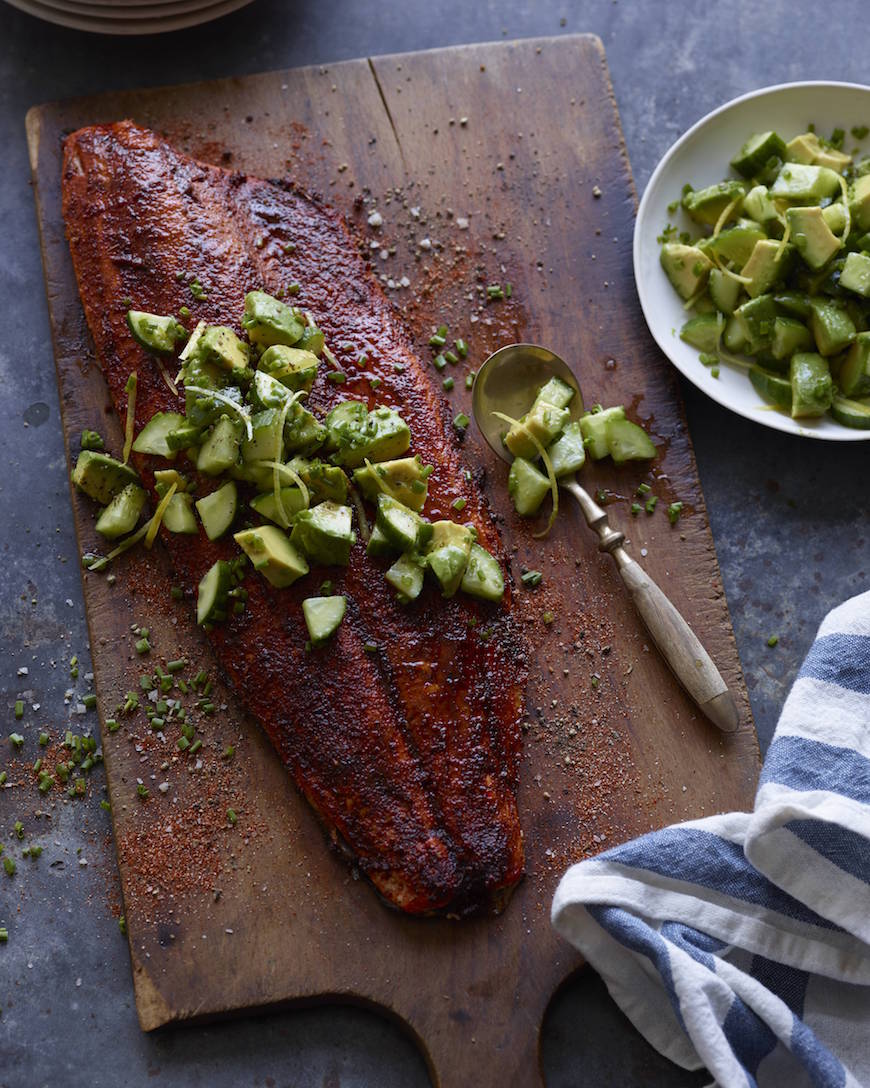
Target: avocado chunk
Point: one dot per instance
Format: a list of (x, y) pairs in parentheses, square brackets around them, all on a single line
[(835, 216), (832, 328), (802, 148), (795, 303), (221, 449), (265, 391), (322, 480), (735, 243), (733, 336), (483, 576), (856, 274), (768, 264), (811, 386), (324, 533), (220, 345), (156, 334), (406, 576), (267, 437), (771, 386), (402, 527), (706, 205), (626, 441), (756, 318), (555, 392), (724, 291), (312, 340), (303, 432), (273, 554), (217, 510), (527, 487), (323, 616), (859, 202), (543, 422), (757, 152), (122, 513), (789, 336), (152, 438), (100, 476), (266, 505), (91, 440), (757, 205), (814, 239), (687, 267), (178, 516), (164, 478), (405, 479), (269, 321), (184, 436), (854, 379), (805, 184), (448, 553), (355, 434), (296, 368), (594, 429), (212, 593), (379, 546), (568, 453), (702, 332)]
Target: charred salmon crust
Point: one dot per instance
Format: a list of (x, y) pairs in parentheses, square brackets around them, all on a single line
[(409, 755)]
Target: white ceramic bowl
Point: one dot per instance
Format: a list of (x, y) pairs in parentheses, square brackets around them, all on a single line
[(701, 157)]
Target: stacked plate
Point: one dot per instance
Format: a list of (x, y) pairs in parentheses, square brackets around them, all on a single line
[(128, 16)]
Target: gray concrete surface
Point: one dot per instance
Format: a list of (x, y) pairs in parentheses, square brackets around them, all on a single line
[(789, 518)]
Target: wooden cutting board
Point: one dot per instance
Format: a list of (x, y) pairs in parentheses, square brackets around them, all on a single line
[(522, 140)]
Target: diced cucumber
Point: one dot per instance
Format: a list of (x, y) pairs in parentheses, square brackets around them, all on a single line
[(273, 554), (178, 516), (735, 243), (789, 336), (217, 510), (153, 436), (805, 184), (758, 205), (156, 334), (323, 616), (568, 453), (221, 449), (811, 385), (555, 392), (757, 317), (795, 303), (404, 528), (406, 576), (626, 441), (379, 545), (854, 379), (832, 328), (122, 513), (323, 481), (184, 436), (267, 507), (527, 487), (100, 476), (702, 332), (772, 387), (267, 438), (856, 274), (266, 391), (706, 205), (724, 291), (483, 577), (211, 596), (593, 426), (851, 413), (447, 554), (757, 152), (733, 337)]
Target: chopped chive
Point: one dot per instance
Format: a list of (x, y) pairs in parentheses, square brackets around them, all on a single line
[(228, 752), (370, 647), (195, 747), (548, 618), (375, 383), (469, 378), (494, 291), (183, 744), (448, 384), (44, 738), (37, 765), (90, 701), (437, 341), (232, 817), (105, 806), (177, 665), (157, 723), (142, 790), (772, 641), (9, 866), (294, 288), (208, 708), (451, 357), (461, 421), (461, 347), (458, 504), (19, 708), (531, 578), (643, 489), (336, 376), (635, 509), (651, 504), (439, 362), (16, 739), (4, 935), (3, 777), (674, 511), (143, 646), (18, 828), (112, 725), (176, 593), (508, 290)]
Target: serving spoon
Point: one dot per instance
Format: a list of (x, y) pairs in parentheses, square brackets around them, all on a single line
[(507, 383)]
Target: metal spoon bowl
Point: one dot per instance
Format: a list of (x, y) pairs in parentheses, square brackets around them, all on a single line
[(508, 382)]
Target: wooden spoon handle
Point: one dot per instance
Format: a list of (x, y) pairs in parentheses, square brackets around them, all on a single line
[(676, 641)]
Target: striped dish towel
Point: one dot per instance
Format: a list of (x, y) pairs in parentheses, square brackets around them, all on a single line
[(741, 942)]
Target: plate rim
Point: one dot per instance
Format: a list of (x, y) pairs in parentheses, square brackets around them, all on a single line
[(128, 27), (771, 420)]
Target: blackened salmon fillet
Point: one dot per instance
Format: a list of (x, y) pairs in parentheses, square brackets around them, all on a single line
[(403, 734)]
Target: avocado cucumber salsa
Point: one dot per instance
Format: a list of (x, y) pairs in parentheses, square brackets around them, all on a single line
[(544, 438), (246, 454), (777, 275)]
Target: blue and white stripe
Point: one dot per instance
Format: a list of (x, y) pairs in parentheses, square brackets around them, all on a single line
[(741, 942)]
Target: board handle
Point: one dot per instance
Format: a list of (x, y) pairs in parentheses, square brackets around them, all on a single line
[(674, 638)]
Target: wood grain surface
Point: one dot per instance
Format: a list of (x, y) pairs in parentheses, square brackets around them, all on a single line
[(265, 913)]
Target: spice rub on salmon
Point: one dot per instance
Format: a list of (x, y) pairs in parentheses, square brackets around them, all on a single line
[(403, 731)]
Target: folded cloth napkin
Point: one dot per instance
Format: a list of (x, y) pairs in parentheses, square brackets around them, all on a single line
[(741, 942)]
